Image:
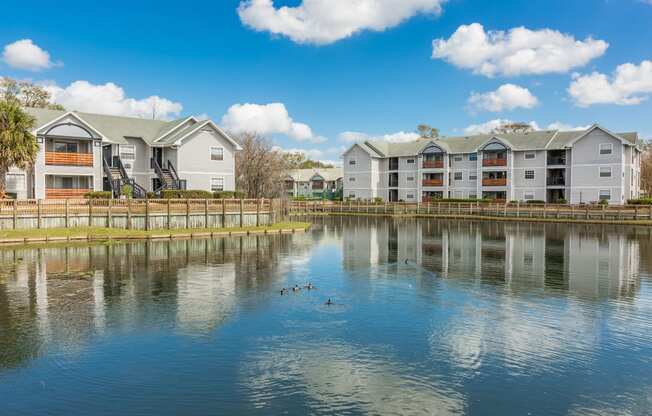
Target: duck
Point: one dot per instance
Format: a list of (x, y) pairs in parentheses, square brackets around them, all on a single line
[(284, 291), (296, 288), (329, 302), (309, 286)]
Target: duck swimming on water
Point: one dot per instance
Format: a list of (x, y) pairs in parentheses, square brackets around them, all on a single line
[(329, 302), (296, 288), (284, 291), (309, 286)]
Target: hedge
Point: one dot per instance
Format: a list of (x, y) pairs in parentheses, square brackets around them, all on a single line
[(642, 201), (185, 194), (99, 195), (535, 201), (229, 195)]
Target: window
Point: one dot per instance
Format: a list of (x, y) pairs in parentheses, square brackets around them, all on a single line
[(605, 195), (459, 176), (351, 179), (351, 194), (473, 176), (410, 178), (352, 162), (528, 196), (15, 181), (128, 152), (529, 174), (217, 184), (217, 153), (473, 196), (606, 148), (473, 156), (530, 155), (410, 161), (66, 147), (459, 158), (410, 196), (605, 172)]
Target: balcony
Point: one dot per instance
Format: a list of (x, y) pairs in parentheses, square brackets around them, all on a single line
[(68, 159), (53, 193), (556, 161), (494, 182), (433, 182), (494, 162), (433, 164), (556, 181)]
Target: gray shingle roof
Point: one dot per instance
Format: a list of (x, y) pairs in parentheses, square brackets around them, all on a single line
[(304, 175), (536, 140)]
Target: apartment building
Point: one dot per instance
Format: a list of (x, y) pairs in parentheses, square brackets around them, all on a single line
[(552, 166), (316, 182), (82, 152)]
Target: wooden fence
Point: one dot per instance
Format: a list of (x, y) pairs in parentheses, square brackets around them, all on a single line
[(480, 209), (144, 214)]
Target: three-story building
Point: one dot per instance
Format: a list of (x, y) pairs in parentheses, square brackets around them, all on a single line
[(552, 166)]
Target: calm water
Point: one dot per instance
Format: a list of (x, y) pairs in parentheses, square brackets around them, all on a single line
[(483, 319)]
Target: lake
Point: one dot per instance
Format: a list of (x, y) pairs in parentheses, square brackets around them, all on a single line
[(429, 317)]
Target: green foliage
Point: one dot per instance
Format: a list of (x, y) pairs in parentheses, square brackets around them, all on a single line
[(228, 195), (465, 200), (562, 201), (185, 194), (427, 131), (603, 202), (18, 146), (535, 201), (151, 195), (642, 201), (99, 195), (127, 190)]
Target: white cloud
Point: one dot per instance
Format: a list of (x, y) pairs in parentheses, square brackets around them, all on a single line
[(630, 84), (326, 21), (111, 99), (267, 119), (491, 125), (398, 137), (24, 54), (329, 155), (519, 51), (506, 97)]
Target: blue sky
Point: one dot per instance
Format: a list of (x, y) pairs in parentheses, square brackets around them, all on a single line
[(331, 68)]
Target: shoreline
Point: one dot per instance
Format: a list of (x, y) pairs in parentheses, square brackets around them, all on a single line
[(47, 236)]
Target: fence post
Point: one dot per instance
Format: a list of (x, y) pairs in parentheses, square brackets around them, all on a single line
[(586, 213), (603, 214), (258, 213), (168, 212), (15, 214), (38, 213), (129, 224), (187, 213), (90, 212), (205, 213), (223, 213), (241, 212), (635, 212), (147, 215), (650, 212), (109, 219)]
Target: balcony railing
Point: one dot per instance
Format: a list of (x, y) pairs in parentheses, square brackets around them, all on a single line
[(494, 182), (433, 164), (433, 182), (494, 162), (556, 161), (68, 159), (53, 193), (556, 181)]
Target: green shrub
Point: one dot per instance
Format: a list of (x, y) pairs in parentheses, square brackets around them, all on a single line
[(228, 195), (535, 201), (603, 202), (151, 195), (461, 200), (127, 191), (642, 201), (185, 194), (562, 201), (99, 195), (378, 200)]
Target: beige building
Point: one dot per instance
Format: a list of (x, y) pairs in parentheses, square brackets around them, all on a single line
[(313, 182)]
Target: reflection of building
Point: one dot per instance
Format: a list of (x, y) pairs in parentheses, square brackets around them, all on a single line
[(587, 260)]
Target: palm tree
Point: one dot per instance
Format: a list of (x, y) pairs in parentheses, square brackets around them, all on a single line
[(18, 146)]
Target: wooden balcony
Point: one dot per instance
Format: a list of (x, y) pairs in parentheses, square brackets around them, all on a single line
[(494, 182), (494, 162), (68, 159), (433, 164), (433, 182), (66, 193)]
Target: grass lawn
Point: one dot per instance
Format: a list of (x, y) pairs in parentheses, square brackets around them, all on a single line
[(117, 233)]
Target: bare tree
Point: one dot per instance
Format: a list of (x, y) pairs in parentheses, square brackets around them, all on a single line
[(427, 131), (516, 127), (646, 170), (260, 168)]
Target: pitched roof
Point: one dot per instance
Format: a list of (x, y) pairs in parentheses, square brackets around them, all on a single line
[(305, 175), (536, 140)]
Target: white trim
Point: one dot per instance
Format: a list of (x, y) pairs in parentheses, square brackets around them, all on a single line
[(609, 145), (534, 175), (529, 152), (611, 173), (175, 128), (596, 126), (210, 153), (78, 117), (200, 126)]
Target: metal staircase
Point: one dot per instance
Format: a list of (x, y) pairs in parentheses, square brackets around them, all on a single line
[(117, 177), (168, 177)]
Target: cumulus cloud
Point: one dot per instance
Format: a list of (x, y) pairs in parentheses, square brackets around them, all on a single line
[(24, 54), (111, 99), (266, 119), (322, 22), (630, 84), (506, 98), (398, 137), (491, 125), (519, 51)]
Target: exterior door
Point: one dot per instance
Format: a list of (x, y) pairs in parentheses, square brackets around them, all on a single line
[(158, 155)]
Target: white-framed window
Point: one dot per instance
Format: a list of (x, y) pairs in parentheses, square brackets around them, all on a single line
[(473, 196), (459, 158), (410, 178), (351, 179), (458, 176), (352, 162), (410, 161), (473, 176), (605, 195), (217, 184), (605, 171), (473, 156), (127, 152), (530, 155), (529, 174), (351, 194), (606, 148), (15, 181), (528, 196), (410, 196), (217, 153)]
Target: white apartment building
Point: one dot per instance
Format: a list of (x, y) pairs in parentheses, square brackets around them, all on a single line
[(82, 152), (552, 166), (313, 182)]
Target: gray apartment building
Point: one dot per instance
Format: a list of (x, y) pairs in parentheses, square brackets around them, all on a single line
[(553, 166), (82, 152)]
